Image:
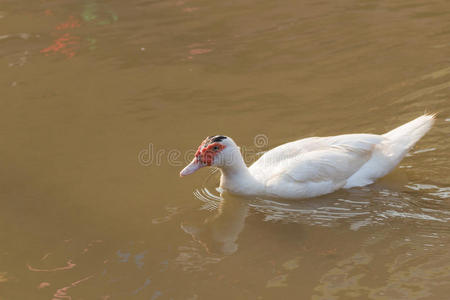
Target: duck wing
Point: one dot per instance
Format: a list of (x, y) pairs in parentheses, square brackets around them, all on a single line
[(315, 164)]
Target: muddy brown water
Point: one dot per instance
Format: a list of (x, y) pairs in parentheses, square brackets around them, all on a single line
[(102, 100)]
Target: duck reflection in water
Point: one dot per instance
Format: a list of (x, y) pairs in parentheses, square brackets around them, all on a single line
[(219, 233), (353, 209)]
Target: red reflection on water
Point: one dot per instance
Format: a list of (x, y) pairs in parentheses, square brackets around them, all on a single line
[(43, 285), (67, 44), (199, 51), (72, 22), (62, 292), (69, 266)]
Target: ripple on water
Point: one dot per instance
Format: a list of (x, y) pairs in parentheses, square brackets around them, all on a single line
[(356, 208), (192, 259)]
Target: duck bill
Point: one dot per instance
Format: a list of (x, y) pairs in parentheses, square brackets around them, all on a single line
[(191, 168)]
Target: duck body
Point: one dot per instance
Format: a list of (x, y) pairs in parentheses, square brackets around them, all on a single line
[(316, 166)]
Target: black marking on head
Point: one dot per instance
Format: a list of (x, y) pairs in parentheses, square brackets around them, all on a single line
[(218, 138)]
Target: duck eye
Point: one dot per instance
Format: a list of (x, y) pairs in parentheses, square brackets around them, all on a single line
[(216, 148)]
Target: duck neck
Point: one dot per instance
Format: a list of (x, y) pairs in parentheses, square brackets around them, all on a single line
[(236, 177)]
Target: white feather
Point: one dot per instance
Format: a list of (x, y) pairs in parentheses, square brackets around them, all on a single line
[(319, 165)]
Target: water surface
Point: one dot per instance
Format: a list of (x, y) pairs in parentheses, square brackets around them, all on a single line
[(97, 96)]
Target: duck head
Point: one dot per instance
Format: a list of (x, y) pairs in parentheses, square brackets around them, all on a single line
[(217, 151)]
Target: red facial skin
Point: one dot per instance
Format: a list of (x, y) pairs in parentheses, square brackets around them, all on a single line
[(206, 154)]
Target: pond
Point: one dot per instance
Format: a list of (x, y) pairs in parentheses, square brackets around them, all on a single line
[(103, 103)]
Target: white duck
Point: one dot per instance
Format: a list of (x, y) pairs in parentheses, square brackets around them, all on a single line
[(312, 166)]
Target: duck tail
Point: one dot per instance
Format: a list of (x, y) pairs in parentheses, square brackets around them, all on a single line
[(407, 135)]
